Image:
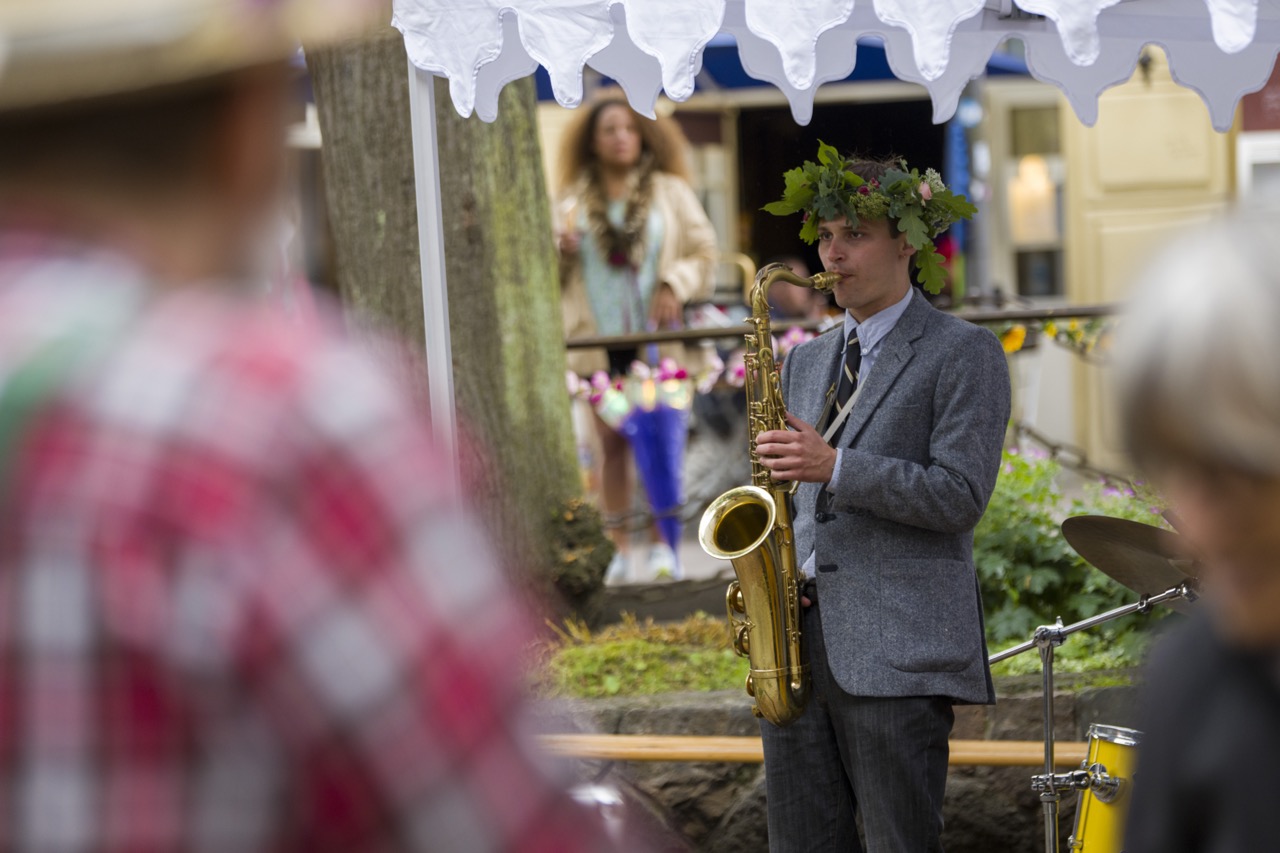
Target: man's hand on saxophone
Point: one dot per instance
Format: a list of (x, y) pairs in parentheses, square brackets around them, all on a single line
[(796, 455)]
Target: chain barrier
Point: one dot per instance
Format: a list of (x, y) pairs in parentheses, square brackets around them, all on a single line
[(636, 520), (1072, 457)]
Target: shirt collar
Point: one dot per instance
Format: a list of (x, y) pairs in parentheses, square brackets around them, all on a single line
[(873, 329)]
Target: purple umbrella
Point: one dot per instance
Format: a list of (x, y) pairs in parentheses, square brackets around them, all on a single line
[(656, 425), (651, 409), (657, 439)]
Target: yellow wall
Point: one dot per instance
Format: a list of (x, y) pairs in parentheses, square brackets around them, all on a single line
[(1153, 164)]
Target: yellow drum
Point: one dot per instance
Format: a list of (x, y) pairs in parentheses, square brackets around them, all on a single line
[(1105, 802)]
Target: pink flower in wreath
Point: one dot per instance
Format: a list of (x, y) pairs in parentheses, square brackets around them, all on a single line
[(926, 191)]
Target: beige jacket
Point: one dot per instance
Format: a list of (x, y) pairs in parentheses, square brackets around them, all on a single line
[(685, 262)]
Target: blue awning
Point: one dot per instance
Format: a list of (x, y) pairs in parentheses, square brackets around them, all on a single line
[(722, 69)]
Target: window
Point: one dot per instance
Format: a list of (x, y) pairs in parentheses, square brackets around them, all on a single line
[(1033, 178)]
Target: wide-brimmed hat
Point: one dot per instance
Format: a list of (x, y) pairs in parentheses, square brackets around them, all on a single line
[(56, 51)]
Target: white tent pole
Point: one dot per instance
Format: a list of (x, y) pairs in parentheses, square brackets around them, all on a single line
[(435, 295)]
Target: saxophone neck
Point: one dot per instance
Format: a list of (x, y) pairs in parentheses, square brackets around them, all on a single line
[(765, 278), (760, 302)]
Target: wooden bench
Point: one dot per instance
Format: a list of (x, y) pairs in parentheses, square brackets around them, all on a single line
[(748, 749)]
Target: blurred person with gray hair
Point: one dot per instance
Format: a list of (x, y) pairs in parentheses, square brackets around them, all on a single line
[(238, 608), (1200, 399)]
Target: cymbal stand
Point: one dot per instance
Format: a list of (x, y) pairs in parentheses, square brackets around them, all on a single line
[(1046, 639)]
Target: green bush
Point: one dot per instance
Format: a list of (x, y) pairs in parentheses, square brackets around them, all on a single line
[(1030, 576)]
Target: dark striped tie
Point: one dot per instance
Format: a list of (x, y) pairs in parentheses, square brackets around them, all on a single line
[(849, 371), (848, 380)]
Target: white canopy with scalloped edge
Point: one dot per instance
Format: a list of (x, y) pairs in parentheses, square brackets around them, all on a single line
[(1220, 48)]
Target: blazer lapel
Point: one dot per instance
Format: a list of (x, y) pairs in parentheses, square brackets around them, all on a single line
[(895, 352), (812, 404)]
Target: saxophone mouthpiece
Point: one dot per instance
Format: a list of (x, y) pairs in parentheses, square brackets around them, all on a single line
[(826, 281)]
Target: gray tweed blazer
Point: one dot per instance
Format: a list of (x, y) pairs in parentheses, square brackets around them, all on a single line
[(900, 607)]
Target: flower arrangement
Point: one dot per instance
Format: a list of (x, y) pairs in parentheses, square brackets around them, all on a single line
[(1013, 338), (650, 407), (735, 372), (644, 387), (922, 205), (1089, 340)]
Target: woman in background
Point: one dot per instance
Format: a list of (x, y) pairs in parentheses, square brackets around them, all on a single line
[(635, 248)]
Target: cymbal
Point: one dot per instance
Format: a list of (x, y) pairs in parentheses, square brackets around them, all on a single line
[(1139, 556)]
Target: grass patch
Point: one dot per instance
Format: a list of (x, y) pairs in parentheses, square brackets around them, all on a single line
[(635, 658)]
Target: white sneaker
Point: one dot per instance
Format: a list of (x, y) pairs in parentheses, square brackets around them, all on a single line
[(663, 564), (618, 569)]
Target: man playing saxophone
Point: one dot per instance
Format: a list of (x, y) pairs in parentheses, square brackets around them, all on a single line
[(895, 431)]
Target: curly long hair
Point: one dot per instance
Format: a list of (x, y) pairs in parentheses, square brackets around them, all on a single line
[(662, 139)]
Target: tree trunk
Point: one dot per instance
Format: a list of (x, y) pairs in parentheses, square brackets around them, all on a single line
[(504, 292), (362, 96)]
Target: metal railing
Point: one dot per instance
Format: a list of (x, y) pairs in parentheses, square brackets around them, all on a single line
[(982, 316)]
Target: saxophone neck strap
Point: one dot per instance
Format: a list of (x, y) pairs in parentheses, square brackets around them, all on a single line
[(841, 416)]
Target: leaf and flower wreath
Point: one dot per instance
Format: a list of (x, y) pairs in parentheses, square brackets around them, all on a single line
[(922, 205)]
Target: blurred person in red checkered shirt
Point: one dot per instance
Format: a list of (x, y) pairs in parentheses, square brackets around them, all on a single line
[(236, 610)]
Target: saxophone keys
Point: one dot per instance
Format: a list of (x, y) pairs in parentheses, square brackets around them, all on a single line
[(734, 599)]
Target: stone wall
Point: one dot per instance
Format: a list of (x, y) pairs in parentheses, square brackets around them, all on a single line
[(720, 807)]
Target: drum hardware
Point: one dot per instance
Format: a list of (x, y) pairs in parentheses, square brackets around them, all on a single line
[(1182, 594), (1094, 778), (1104, 786), (1140, 557)]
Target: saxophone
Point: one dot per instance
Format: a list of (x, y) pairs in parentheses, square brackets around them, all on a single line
[(750, 526)]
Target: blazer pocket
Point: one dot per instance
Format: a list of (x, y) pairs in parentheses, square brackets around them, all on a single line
[(913, 414), (929, 617), (908, 411)]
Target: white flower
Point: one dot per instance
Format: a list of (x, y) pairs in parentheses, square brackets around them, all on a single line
[(934, 180)]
